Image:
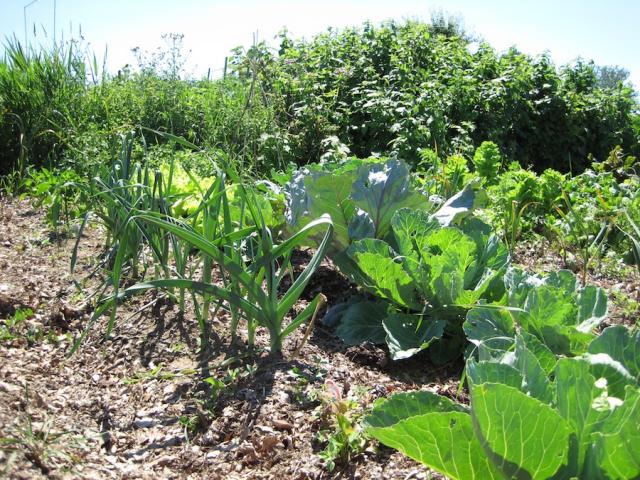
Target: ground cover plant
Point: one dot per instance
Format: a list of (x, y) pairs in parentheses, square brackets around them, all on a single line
[(379, 237)]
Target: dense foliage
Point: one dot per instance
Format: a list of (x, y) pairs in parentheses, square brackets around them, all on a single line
[(532, 415), (397, 88), (402, 87)]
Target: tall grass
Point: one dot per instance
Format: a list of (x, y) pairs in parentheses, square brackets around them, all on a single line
[(58, 108), (40, 103)]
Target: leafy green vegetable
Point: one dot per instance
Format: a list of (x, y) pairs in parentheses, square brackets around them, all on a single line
[(430, 278), (360, 195), (362, 322), (620, 346), (555, 309), (525, 421), (487, 161), (450, 445), (523, 436), (409, 334)]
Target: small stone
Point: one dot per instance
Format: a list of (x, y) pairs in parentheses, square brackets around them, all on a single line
[(145, 422), (9, 388)]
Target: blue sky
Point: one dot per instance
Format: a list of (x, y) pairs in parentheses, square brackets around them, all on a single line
[(605, 31)]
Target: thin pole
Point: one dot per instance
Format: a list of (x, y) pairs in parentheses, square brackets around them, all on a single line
[(54, 21), (24, 15)]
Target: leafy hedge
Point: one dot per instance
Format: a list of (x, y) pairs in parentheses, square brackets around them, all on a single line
[(400, 87)]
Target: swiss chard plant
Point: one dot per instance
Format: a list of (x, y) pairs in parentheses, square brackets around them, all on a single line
[(531, 415)]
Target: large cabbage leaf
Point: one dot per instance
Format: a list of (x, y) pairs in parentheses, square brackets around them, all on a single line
[(431, 277), (361, 197), (527, 420), (433, 430), (555, 309)]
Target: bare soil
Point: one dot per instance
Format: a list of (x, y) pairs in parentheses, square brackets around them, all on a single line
[(148, 402)]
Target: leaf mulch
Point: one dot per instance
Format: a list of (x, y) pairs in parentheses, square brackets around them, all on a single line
[(149, 403), (137, 405)]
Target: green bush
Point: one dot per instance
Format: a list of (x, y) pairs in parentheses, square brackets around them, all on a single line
[(400, 87)]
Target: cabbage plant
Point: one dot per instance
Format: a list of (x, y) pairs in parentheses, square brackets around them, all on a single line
[(426, 280), (578, 419), (555, 309)]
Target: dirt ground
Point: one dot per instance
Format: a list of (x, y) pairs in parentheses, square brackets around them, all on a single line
[(145, 404)]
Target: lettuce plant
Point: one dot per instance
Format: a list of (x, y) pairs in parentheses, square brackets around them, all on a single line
[(531, 415)]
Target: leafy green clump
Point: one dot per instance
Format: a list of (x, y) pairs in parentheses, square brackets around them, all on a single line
[(427, 278), (555, 309), (360, 195), (186, 190), (487, 161), (532, 415)]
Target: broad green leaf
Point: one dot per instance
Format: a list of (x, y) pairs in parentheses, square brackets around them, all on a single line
[(491, 253), (434, 431), (555, 310), (592, 308), (361, 226), (575, 392), (493, 372), (409, 334), (564, 281), (401, 406), (536, 383), (524, 437), (411, 229), (490, 329), (550, 316), (449, 253), (312, 194), (381, 189), (549, 306), (519, 283), (362, 322), (545, 356), (601, 365), (330, 194), (461, 205), (386, 277), (619, 344), (617, 444)]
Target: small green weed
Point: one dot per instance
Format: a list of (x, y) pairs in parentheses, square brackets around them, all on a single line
[(45, 448), (10, 330), (343, 434), (219, 385), (158, 373)]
